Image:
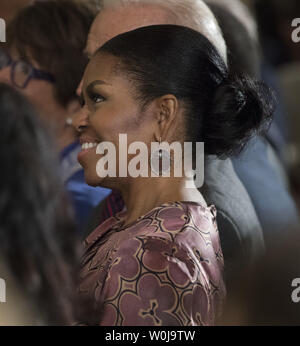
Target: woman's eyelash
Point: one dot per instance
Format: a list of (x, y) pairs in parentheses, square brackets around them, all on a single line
[(96, 98)]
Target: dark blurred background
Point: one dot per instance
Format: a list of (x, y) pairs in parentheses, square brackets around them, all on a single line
[(282, 55)]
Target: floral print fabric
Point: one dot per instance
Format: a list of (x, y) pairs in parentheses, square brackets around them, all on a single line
[(165, 269)]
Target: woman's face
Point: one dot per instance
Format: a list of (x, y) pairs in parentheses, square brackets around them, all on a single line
[(111, 109), (41, 93)]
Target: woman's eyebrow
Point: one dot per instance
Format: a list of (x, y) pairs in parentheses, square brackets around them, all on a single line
[(96, 82)]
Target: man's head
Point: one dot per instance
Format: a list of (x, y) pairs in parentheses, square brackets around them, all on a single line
[(119, 16)]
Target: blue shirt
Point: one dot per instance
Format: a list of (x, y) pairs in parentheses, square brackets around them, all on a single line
[(83, 197), (272, 201)]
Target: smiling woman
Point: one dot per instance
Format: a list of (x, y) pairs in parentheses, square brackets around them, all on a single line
[(160, 262)]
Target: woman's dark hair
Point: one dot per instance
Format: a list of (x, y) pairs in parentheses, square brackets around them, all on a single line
[(222, 110), (37, 239), (53, 33)]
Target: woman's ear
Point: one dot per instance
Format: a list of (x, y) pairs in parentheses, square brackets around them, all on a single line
[(166, 113)]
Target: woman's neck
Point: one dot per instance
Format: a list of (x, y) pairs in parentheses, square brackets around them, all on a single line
[(141, 195)]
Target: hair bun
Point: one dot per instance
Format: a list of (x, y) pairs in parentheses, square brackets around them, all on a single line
[(240, 108)]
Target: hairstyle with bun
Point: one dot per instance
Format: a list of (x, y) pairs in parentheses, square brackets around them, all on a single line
[(241, 107), (221, 110)]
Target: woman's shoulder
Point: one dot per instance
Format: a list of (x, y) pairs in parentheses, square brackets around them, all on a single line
[(177, 254), (177, 220), (185, 231)]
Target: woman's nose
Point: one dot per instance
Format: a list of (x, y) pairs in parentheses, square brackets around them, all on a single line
[(80, 120)]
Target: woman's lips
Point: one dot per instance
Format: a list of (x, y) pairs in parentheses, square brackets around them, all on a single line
[(86, 146)]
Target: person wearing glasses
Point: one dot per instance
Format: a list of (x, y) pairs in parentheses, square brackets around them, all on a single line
[(21, 72), (43, 58)]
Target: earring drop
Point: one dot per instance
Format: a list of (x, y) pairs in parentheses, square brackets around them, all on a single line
[(160, 150), (160, 162)]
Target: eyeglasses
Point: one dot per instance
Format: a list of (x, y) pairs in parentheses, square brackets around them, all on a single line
[(22, 72)]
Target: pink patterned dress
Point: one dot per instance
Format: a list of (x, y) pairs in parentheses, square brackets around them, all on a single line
[(165, 269)]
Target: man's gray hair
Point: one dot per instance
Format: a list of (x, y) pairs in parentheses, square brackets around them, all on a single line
[(194, 14)]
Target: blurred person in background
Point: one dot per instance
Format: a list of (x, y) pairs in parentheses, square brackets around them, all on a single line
[(43, 58), (249, 57), (275, 26), (240, 231), (258, 167), (256, 63), (269, 293), (160, 262), (273, 50), (275, 20), (38, 248)]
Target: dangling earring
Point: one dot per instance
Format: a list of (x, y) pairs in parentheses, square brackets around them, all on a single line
[(160, 150), (160, 162)]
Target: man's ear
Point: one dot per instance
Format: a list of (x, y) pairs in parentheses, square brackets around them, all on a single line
[(166, 113)]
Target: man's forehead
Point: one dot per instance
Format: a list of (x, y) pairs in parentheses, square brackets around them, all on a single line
[(115, 21), (91, 45)]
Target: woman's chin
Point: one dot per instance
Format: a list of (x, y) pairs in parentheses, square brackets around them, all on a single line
[(92, 180)]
